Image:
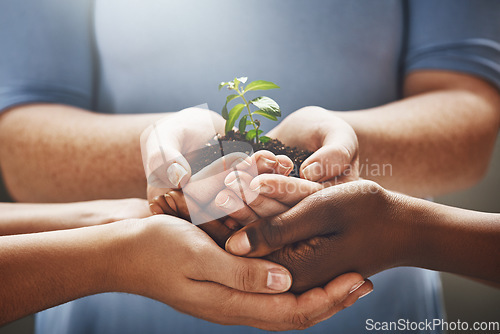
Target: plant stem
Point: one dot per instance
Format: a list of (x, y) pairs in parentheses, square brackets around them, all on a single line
[(251, 118)]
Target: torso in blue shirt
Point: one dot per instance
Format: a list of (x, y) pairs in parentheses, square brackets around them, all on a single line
[(136, 56), (165, 56)]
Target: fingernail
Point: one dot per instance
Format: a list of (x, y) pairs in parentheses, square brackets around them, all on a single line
[(229, 184), (278, 280), (171, 202), (224, 202), (286, 170), (155, 209), (365, 294), (269, 163), (312, 172), (175, 173), (356, 286), (238, 244), (257, 188)]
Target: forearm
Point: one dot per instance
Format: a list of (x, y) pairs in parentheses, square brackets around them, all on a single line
[(432, 142), (42, 270), (19, 218), (450, 239), (57, 153)]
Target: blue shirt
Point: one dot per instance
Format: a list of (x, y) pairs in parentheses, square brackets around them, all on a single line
[(120, 56)]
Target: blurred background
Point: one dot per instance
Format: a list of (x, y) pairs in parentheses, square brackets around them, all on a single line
[(464, 299)]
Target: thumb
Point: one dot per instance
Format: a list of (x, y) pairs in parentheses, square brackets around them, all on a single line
[(244, 274), (164, 165), (307, 219), (337, 154)]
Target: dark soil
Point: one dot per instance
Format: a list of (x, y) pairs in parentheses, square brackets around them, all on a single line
[(232, 142)]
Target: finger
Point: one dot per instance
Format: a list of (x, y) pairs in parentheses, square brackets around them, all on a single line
[(268, 162), (264, 236), (217, 230), (176, 200), (287, 190), (358, 292), (173, 203), (338, 152), (152, 192), (166, 167), (238, 182), (261, 205), (232, 224), (159, 206), (204, 185), (338, 294), (277, 312), (244, 274), (234, 207)]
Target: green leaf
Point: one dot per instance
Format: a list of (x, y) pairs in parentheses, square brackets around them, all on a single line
[(264, 139), (243, 124), (260, 85), (267, 105), (224, 112), (229, 98), (251, 134), (265, 114), (234, 114)]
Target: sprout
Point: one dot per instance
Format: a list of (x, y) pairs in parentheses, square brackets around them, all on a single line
[(266, 107)]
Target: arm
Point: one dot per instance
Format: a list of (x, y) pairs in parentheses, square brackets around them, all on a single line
[(451, 239), (392, 230), (69, 154), (137, 256), (58, 153), (19, 218), (436, 140)]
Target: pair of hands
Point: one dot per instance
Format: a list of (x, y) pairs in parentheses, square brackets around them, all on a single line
[(165, 146), (335, 160)]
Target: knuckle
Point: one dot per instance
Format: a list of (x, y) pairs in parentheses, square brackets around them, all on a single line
[(273, 233), (300, 320), (245, 279), (367, 187), (255, 201), (243, 216)]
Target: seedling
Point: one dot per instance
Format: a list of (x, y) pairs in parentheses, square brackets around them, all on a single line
[(266, 107)]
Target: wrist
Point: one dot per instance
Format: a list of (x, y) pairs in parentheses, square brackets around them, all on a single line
[(406, 222), (420, 229), (122, 251)]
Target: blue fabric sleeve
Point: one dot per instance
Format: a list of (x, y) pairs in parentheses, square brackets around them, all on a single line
[(456, 35), (46, 52)]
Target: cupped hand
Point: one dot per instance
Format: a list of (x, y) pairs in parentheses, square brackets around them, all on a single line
[(196, 202), (340, 229), (176, 263), (332, 140), (247, 199), (165, 145)]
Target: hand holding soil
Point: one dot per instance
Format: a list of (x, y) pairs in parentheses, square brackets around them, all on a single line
[(248, 198), (329, 233)]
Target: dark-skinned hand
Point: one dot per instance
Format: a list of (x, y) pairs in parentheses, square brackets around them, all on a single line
[(340, 229)]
